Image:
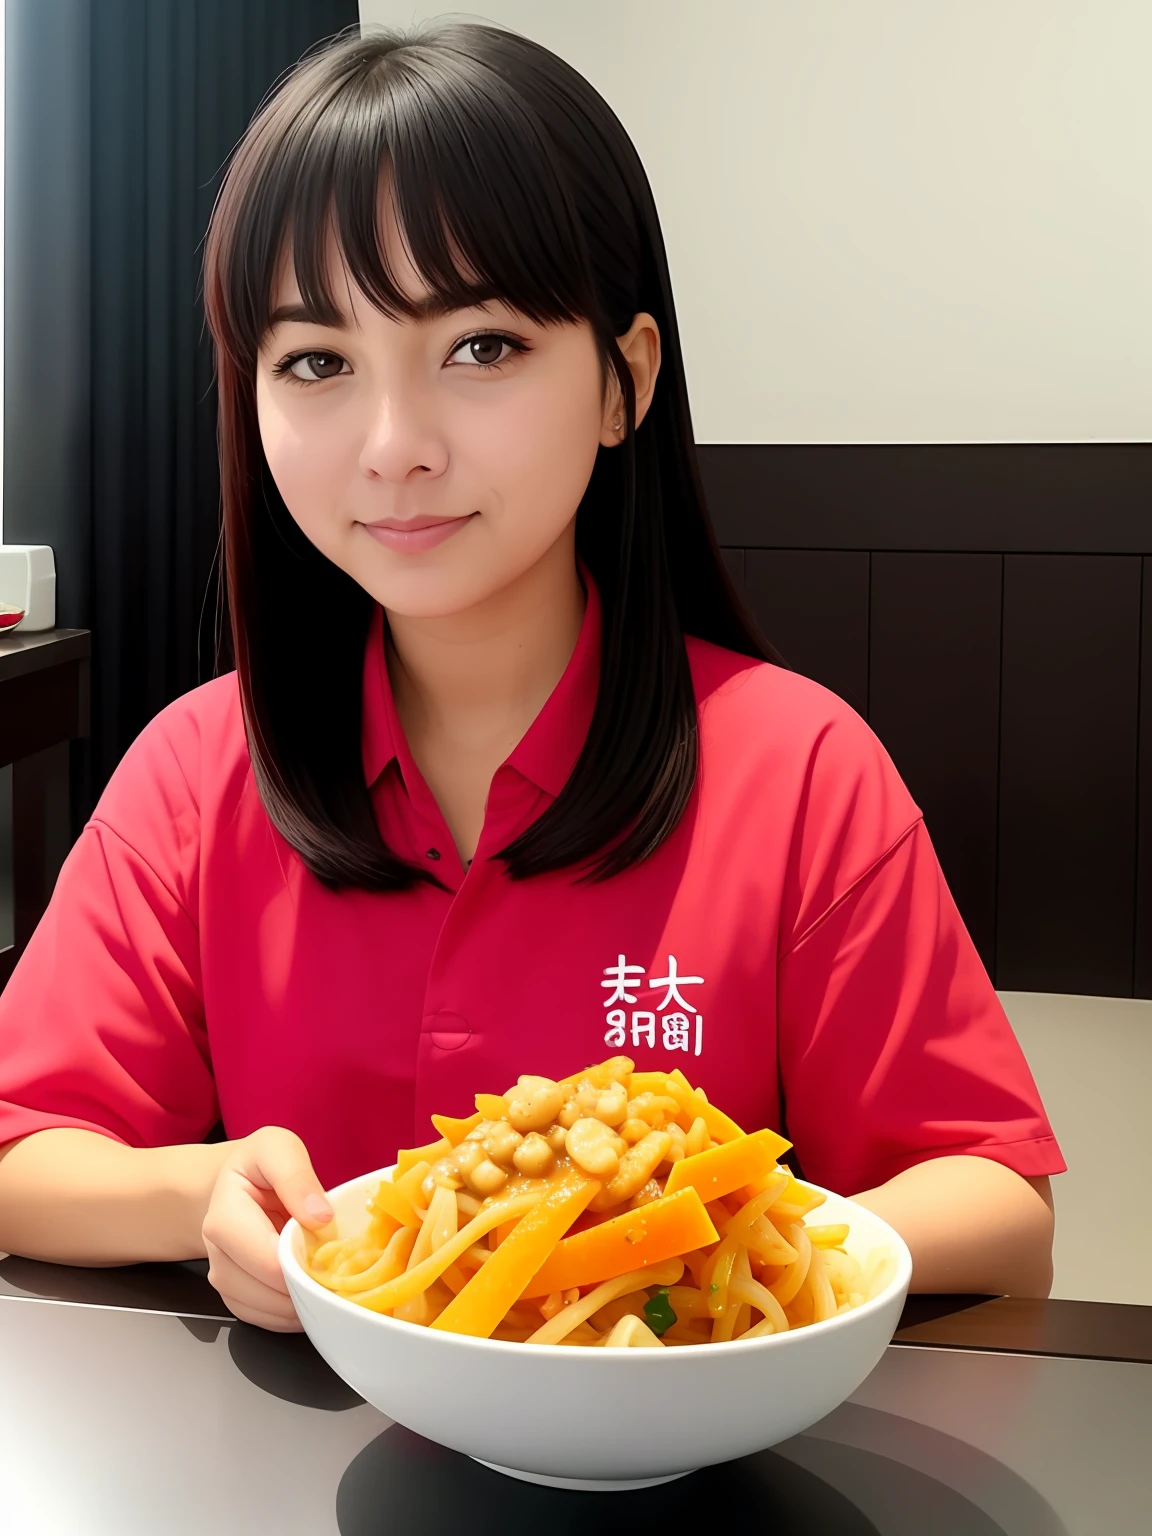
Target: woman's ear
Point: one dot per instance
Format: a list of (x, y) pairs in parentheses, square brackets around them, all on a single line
[(640, 345)]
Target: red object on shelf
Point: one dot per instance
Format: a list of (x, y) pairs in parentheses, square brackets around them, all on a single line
[(9, 617)]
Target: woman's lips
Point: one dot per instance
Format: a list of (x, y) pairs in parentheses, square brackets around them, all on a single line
[(419, 534)]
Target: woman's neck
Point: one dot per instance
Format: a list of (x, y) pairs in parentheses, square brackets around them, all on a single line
[(468, 687)]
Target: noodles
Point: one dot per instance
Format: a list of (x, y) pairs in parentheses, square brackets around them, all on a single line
[(612, 1208), (556, 1329), (745, 1288), (788, 1287)]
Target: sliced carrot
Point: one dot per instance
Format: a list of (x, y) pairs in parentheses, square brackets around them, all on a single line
[(796, 1199), (491, 1106), (394, 1293), (661, 1085), (497, 1285), (648, 1082), (410, 1156), (455, 1278), (592, 1219), (409, 1184), (828, 1237), (382, 1225), (455, 1130), (693, 1103), (390, 1201), (664, 1229), (718, 1213), (757, 1187), (806, 1201), (728, 1167)]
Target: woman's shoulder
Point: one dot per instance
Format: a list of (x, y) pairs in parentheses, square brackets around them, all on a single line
[(763, 703), (756, 717), (184, 760)]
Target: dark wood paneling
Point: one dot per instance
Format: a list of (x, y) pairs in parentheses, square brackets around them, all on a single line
[(934, 701), (734, 560), (1143, 976), (1093, 498), (813, 606), (1068, 773)]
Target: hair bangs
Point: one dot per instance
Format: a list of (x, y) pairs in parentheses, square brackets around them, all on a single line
[(476, 189)]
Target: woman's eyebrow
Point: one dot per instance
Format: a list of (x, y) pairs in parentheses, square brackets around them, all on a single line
[(433, 307), (301, 314)]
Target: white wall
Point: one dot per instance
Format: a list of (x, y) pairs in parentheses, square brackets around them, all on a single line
[(1092, 1061), (888, 220)]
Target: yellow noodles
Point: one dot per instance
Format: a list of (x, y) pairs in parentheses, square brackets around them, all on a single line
[(616, 1256)]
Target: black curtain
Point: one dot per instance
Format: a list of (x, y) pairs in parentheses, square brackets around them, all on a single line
[(119, 115)]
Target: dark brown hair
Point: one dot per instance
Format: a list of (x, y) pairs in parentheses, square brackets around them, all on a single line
[(512, 179)]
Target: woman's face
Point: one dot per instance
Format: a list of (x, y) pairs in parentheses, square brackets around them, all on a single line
[(434, 460)]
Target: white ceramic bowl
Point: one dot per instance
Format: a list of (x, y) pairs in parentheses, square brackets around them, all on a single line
[(599, 1418)]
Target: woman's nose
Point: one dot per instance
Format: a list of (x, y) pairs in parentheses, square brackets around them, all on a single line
[(400, 443)]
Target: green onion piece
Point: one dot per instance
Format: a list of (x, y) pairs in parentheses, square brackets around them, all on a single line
[(713, 1288), (658, 1311)]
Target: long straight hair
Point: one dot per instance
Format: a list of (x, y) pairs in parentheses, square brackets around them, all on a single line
[(512, 180)]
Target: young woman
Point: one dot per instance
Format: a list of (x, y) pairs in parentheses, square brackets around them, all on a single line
[(504, 780)]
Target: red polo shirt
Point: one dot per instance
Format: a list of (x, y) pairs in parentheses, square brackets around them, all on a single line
[(793, 947)]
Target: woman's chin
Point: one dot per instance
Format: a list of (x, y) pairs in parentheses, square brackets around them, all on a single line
[(458, 577), (440, 589)]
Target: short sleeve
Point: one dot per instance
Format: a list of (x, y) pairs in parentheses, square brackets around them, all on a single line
[(102, 1023), (894, 1047)]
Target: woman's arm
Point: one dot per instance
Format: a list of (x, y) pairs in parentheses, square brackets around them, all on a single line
[(973, 1226), (76, 1197)]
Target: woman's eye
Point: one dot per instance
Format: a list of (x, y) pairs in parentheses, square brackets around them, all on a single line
[(311, 367), (487, 350)]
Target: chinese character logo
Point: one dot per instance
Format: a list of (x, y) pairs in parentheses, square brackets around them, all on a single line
[(680, 1030)]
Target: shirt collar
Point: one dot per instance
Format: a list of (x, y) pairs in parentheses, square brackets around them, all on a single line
[(547, 752)]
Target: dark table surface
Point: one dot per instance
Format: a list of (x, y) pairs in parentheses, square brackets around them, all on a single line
[(132, 1402)]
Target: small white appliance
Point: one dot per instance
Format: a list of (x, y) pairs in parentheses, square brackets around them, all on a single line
[(27, 588)]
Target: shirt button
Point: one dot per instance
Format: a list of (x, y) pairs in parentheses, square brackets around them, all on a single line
[(452, 1032), (433, 853)]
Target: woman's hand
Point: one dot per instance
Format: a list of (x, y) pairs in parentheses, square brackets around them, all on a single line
[(266, 1178)]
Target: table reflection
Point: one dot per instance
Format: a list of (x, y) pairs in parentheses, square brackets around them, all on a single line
[(401, 1482)]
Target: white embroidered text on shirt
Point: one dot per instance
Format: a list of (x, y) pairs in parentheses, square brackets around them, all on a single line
[(678, 1031)]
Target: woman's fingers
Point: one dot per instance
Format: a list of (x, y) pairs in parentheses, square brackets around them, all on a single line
[(245, 1295), (277, 1159), (265, 1175), (236, 1225), (273, 1324)]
